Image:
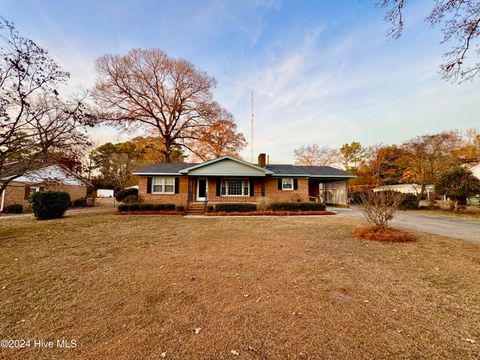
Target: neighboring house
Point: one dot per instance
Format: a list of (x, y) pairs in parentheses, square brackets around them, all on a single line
[(228, 179), (52, 177), (476, 171), (407, 189)]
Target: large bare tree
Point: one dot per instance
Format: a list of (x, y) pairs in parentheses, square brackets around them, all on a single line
[(314, 155), (148, 88), (35, 122), (460, 21)]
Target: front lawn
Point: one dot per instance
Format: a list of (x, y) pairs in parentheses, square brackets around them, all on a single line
[(134, 287)]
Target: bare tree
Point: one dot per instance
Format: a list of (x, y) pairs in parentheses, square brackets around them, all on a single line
[(313, 155), (151, 89), (379, 207), (34, 121), (461, 26)]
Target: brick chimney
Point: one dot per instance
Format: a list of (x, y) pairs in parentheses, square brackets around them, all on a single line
[(262, 160)]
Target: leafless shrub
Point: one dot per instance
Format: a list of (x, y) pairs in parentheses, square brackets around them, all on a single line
[(379, 207)]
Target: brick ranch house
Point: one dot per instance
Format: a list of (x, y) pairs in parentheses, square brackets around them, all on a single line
[(49, 178), (227, 179)]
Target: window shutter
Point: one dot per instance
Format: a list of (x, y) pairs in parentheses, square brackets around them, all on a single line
[(295, 184), (262, 189), (149, 185), (27, 192), (252, 187), (279, 184), (177, 185), (219, 184)]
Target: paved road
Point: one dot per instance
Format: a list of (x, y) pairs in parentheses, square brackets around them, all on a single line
[(439, 225)]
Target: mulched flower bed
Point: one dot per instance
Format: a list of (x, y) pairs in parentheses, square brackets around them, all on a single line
[(270, 213), (153, 212), (386, 235)]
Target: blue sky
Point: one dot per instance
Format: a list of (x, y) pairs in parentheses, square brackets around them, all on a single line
[(322, 71)]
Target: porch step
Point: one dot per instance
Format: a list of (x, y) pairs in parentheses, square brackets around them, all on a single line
[(196, 209)]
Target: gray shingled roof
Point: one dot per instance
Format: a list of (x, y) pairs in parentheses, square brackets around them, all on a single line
[(163, 168), (278, 169), (284, 169)]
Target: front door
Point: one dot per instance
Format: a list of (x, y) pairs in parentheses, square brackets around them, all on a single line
[(202, 185)]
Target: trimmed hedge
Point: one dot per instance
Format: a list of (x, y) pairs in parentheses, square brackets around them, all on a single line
[(235, 207), (146, 207), (297, 206), (122, 194), (49, 204), (14, 209)]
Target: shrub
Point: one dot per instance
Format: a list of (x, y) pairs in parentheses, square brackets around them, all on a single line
[(209, 208), (49, 204), (122, 194), (297, 206), (235, 207), (180, 208), (379, 207), (123, 207), (164, 207), (146, 207), (131, 199), (14, 209), (409, 202), (134, 207), (82, 202)]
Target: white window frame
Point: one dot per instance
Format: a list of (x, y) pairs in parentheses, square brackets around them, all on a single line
[(285, 181), (163, 182), (245, 186)]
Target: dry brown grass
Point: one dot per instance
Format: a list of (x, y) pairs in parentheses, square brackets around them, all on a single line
[(383, 234), (132, 287)]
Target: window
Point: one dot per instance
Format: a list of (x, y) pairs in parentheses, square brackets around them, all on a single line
[(163, 185), (287, 184), (235, 187)]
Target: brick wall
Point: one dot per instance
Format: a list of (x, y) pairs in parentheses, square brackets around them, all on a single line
[(272, 193), (177, 199)]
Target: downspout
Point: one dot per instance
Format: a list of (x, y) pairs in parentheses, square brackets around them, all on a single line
[(3, 200)]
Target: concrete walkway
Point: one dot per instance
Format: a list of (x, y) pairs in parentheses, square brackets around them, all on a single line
[(438, 225)]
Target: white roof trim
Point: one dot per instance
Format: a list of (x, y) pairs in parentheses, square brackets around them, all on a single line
[(185, 171)]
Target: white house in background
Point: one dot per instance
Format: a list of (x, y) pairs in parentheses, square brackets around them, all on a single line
[(406, 189), (476, 171)]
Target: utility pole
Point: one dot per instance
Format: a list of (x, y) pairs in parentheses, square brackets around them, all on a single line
[(251, 141)]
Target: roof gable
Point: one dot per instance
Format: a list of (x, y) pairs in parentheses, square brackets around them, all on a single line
[(51, 173), (226, 166)]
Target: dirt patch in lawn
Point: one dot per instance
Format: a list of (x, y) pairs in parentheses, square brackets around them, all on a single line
[(134, 287)]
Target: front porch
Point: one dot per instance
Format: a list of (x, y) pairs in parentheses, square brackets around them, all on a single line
[(217, 189)]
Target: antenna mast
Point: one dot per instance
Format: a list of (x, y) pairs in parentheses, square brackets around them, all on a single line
[(251, 141)]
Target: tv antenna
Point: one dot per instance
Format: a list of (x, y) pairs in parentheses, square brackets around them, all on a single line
[(251, 132)]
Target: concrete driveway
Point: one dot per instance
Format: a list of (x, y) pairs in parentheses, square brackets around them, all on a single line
[(439, 225)]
